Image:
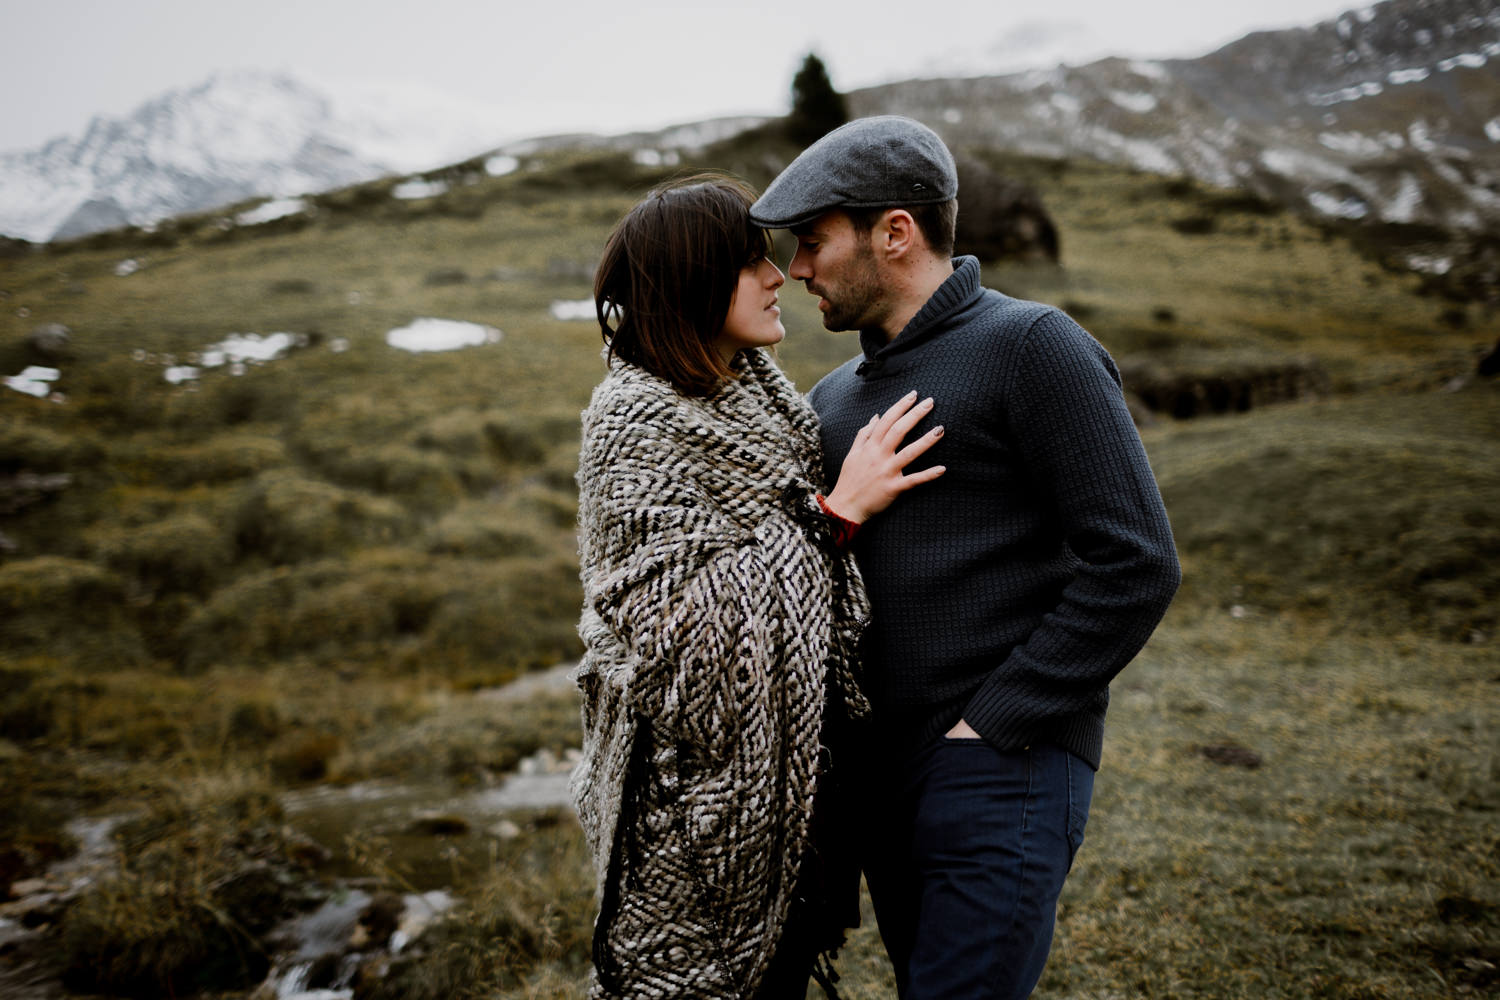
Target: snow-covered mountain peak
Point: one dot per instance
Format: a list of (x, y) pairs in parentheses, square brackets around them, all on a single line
[(235, 135)]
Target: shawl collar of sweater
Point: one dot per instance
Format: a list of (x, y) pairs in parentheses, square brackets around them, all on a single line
[(959, 292)]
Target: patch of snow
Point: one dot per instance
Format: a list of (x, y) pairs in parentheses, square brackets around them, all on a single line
[(127, 267), (1345, 29), (1365, 14), (1342, 208), (1066, 103), (37, 389), (277, 208), (1469, 60), (1430, 263), (1140, 103), (1396, 77), (701, 134), (573, 309), (499, 165), (419, 913), (240, 347), (1417, 133), (1352, 143), (1403, 208), (416, 189), (1140, 153), (1149, 70), (1354, 93), (33, 381), (441, 335), (952, 116), (1492, 129), (655, 158), (179, 374), (1297, 164), (1423, 37)]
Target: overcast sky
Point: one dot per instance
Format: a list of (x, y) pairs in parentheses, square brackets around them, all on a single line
[(563, 65)]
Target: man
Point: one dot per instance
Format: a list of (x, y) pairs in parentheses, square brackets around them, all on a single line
[(1007, 593)]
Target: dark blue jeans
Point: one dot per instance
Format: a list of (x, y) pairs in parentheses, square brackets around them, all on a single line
[(967, 856)]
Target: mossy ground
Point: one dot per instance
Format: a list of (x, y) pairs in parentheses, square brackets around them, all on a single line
[(284, 577)]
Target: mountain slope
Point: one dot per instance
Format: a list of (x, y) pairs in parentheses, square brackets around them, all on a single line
[(1387, 113)]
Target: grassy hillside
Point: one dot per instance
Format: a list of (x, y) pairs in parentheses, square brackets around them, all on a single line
[(259, 580)]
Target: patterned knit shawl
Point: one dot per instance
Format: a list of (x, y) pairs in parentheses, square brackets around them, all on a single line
[(718, 619)]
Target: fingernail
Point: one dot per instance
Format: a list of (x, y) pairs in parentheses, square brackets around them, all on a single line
[(911, 394), (938, 430), (928, 401)]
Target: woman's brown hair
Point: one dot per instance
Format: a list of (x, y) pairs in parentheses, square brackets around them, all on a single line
[(668, 275)]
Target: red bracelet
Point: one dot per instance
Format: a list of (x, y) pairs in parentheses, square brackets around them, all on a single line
[(844, 529)]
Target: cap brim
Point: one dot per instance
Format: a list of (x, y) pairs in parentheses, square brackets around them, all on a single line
[(784, 216)]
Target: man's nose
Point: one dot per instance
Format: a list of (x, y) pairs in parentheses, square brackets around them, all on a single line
[(797, 268)]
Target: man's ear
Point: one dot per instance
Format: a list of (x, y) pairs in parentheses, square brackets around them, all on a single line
[(896, 233)]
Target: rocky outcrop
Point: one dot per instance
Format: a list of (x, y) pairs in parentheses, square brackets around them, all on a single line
[(50, 342), (1185, 394), (1001, 218)]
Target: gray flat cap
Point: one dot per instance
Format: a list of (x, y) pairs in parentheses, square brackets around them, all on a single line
[(869, 163)]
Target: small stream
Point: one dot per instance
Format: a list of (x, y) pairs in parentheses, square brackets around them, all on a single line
[(430, 831), (428, 836)]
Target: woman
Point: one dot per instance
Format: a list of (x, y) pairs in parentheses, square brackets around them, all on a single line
[(720, 614)]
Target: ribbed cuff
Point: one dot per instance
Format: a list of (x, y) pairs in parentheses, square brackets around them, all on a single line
[(842, 528)]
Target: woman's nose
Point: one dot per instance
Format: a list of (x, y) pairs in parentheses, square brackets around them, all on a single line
[(775, 279)]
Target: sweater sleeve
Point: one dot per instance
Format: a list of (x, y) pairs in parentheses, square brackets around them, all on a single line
[(698, 598), (1068, 415)]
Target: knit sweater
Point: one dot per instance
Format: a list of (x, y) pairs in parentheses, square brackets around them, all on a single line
[(718, 617), (1012, 589)]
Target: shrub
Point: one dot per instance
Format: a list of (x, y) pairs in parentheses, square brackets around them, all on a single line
[(519, 613), (32, 822), (485, 529), (56, 606), (260, 395), (183, 552), (41, 449), (395, 470), (284, 518), (202, 883), (1369, 520), (528, 438), (395, 610), (1195, 225), (533, 915), (219, 460), (120, 394)]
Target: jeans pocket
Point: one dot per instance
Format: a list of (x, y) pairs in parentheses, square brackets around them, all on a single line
[(1080, 794)]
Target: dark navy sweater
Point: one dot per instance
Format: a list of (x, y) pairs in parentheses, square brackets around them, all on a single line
[(1012, 590)]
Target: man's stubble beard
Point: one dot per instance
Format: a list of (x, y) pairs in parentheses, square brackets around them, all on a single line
[(859, 298)]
